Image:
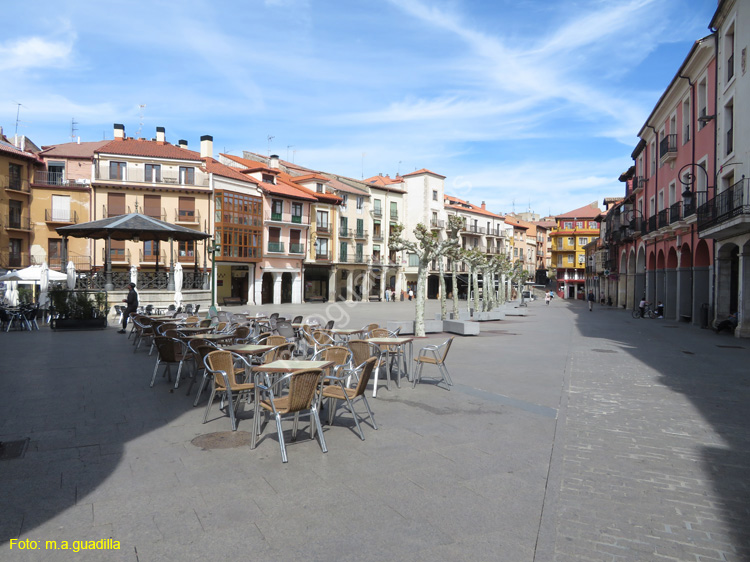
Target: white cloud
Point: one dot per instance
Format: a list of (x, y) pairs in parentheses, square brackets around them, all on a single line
[(34, 52)]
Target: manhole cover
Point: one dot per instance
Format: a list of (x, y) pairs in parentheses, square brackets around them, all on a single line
[(13, 449), (223, 440), (731, 346), (604, 350)]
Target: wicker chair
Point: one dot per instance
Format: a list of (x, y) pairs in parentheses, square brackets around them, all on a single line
[(338, 391), (301, 397), (339, 354), (241, 334), (434, 355), (170, 351), (205, 323), (367, 329), (222, 365)]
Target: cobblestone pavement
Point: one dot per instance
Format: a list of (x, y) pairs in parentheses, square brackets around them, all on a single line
[(568, 435)]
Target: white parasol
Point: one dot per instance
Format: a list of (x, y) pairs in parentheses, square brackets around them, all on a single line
[(178, 284), (134, 274), (71, 279), (43, 285), (11, 293)]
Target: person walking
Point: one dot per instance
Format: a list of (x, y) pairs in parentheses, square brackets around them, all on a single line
[(132, 306), (411, 294), (591, 298), (546, 299)]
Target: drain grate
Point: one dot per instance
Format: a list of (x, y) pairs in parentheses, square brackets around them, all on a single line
[(223, 440), (13, 449)]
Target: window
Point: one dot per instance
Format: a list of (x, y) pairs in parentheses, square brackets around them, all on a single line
[(239, 222), (274, 240), (61, 208), (434, 195), (277, 207), (297, 213), (360, 227), (359, 252), (570, 259), (394, 210), (685, 120), (360, 202), (652, 160), (377, 210), (343, 247), (14, 172), (571, 241), (581, 259), (186, 209), (321, 248), (579, 224), (583, 241), (344, 225), (567, 225), (295, 246), (152, 206), (186, 250), (344, 200), (319, 187), (702, 102), (593, 225), (152, 172), (117, 171), (151, 250), (14, 213), (729, 52), (54, 250), (661, 199), (268, 178), (729, 127), (672, 194), (321, 219), (187, 175), (115, 204), (413, 260), (376, 230)]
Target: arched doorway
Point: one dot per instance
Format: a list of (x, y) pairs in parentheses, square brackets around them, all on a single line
[(286, 287), (727, 279), (685, 283), (266, 288), (670, 284), (701, 279)]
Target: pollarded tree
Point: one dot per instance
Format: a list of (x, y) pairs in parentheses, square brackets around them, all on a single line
[(427, 247), (455, 223), (476, 260)]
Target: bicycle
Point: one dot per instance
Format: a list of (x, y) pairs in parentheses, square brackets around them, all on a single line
[(647, 311)]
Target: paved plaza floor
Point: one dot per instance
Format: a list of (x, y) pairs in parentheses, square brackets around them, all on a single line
[(569, 435)]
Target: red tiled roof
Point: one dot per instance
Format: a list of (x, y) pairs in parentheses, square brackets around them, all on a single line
[(10, 149), (383, 181), (456, 203), (424, 171), (586, 212), (148, 149), (213, 166), (309, 177), (73, 149)]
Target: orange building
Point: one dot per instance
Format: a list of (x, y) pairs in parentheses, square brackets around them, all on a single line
[(574, 231)]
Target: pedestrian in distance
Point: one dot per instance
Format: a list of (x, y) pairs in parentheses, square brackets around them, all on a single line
[(411, 294), (659, 309), (547, 298), (131, 306), (591, 298), (642, 306), (387, 294)]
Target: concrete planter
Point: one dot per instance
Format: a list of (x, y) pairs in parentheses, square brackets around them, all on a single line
[(460, 327), (58, 324), (407, 326)]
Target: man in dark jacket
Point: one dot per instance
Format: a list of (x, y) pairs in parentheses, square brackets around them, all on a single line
[(132, 306)]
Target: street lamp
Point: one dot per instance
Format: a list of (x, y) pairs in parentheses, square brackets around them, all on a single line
[(688, 181), (213, 249), (633, 220)]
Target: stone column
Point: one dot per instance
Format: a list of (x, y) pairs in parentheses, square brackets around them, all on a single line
[(684, 292), (332, 284), (296, 288), (723, 287), (743, 298), (366, 285), (701, 292), (258, 286), (276, 287), (639, 290), (670, 294), (350, 286)]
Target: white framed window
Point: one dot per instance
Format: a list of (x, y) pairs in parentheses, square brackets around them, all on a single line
[(360, 202)]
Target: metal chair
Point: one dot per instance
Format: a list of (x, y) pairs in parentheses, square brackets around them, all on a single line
[(338, 391), (143, 330), (221, 364), (170, 351), (299, 398), (434, 355)]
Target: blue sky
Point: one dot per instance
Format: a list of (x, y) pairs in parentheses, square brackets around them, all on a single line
[(517, 102)]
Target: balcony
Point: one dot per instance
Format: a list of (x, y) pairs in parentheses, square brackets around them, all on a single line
[(668, 148), (394, 215), (276, 247), (360, 234), (60, 216), (185, 256), (14, 260), (377, 213), (138, 175), (652, 223), (675, 212), (663, 218), (322, 256), (14, 184), (117, 256), (322, 229), (14, 222), (377, 260), (346, 233), (377, 236), (296, 248), (81, 263), (187, 217), (152, 258), (727, 214), (296, 219), (435, 223)]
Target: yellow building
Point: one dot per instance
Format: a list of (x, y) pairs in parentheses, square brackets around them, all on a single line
[(61, 197), (574, 230), (17, 168)]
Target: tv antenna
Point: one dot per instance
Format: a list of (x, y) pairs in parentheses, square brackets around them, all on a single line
[(269, 138), (141, 107), (398, 170), (18, 113), (73, 128), (363, 164), (287, 151)]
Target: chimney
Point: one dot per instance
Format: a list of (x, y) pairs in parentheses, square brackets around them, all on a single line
[(273, 161), (182, 143), (484, 207), (119, 132), (161, 135), (207, 146)]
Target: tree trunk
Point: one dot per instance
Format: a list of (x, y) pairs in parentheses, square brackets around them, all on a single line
[(455, 290), (443, 305), (421, 297), (475, 281), (469, 285)]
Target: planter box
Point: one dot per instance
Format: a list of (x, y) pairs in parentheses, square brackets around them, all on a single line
[(461, 328), (489, 316), (78, 324)]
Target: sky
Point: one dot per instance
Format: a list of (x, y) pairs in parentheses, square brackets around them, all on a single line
[(522, 104)]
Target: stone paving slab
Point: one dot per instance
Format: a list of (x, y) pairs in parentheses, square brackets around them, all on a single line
[(569, 435)]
